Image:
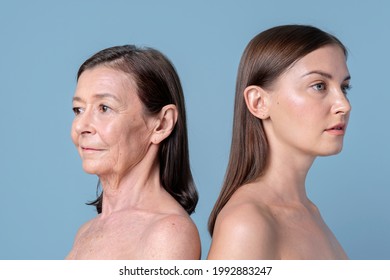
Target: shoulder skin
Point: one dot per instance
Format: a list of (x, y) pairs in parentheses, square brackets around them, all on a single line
[(243, 231), (173, 237)]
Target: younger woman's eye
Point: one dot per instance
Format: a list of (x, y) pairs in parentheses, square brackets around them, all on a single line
[(319, 87), (346, 88)]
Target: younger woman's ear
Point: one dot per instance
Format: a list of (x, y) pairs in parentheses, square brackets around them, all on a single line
[(257, 101), (165, 123)]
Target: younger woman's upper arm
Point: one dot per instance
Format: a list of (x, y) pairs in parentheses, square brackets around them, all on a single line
[(243, 234)]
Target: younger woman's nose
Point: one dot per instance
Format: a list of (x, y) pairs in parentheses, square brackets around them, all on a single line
[(341, 104)]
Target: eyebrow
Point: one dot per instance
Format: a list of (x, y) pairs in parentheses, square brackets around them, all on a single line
[(98, 96), (324, 74)]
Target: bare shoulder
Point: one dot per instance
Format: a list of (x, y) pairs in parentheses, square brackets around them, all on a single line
[(81, 231), (173, 236), (244, 230), (84, 228)]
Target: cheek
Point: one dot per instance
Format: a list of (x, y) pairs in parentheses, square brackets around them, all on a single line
[(120, 135), (290, 108), (299, 109), (295, 117), (296, 101), (111, 134)]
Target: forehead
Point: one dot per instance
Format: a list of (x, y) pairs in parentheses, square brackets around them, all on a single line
[(102, 79), (329, 59)]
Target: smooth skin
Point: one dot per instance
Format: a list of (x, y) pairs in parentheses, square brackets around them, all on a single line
[(119, 143), (305, 114)]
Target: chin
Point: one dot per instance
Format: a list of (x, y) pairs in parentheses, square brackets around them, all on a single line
[(331, 151), (90, 171), (91, 168)]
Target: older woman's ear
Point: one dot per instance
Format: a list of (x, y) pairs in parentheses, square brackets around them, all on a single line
[(165, 123), (257, 101)]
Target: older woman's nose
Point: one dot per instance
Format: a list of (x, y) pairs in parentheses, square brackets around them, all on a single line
[(84, 123)]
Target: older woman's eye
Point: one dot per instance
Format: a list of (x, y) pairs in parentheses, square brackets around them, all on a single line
[(104, 108), (76, 110), (319, 87)]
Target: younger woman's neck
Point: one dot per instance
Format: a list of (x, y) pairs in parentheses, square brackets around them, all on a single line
[(286, 174)]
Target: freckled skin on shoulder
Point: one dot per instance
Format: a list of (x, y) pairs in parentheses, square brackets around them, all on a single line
[(138, 235), (173, 237), (78, 239)]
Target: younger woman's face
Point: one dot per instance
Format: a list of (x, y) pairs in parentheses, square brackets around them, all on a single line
[(309, 108)]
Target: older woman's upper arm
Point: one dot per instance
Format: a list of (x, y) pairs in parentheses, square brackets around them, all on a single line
[(172, 238)]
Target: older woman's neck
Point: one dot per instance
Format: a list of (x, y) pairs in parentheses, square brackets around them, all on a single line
[(134, 187)]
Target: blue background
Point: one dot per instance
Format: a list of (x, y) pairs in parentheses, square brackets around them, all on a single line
[(42, 185)]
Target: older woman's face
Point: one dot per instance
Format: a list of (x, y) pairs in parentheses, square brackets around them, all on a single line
[(309, 109), (109, 130)]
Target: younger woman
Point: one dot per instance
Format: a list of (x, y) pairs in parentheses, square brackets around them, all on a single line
[(290, 107)]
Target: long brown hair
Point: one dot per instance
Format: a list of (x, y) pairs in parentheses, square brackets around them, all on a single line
[(158, 84), (265, 58)]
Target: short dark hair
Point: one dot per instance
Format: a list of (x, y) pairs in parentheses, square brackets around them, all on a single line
[(158, 84)]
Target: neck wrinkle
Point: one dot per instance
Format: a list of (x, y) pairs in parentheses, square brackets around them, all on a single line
[(132, 189)]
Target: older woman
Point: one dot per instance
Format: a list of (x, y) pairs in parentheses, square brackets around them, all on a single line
[(290, 107), (130, 130)]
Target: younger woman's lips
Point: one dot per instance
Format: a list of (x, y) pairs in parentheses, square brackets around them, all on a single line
[(337, 130)]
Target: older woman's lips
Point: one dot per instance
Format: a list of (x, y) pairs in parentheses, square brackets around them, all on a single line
[(88, 149)]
